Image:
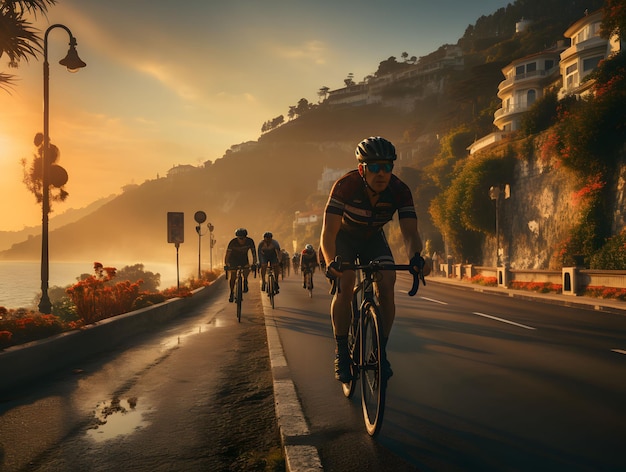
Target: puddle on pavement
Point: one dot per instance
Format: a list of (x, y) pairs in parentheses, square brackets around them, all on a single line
[(117, 417), (171, 342)]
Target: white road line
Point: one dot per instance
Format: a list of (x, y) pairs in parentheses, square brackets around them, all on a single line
[(503, 320), (619, 351), (434, 301)]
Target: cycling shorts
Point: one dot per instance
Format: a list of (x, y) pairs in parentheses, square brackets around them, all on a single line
[(351, 247)]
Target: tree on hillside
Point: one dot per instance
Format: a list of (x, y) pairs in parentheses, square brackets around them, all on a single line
[(323, 93), (291, 114), (303, 106), (18, 39)]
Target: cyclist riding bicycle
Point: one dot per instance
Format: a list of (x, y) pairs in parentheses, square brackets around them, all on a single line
[(360, 204), (237, 255), (295, 261), (269, 252), (308, 262)]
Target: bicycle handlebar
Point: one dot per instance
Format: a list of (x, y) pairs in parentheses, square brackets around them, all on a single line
[(376, 266)]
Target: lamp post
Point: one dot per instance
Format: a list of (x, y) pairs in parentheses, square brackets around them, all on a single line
[(73, 63), (200, 218), (496, 193), (211, 244)]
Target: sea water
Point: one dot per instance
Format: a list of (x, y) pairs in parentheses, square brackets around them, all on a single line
[(20, 281)]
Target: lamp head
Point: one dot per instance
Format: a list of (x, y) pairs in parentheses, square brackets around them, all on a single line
[(71, 60)]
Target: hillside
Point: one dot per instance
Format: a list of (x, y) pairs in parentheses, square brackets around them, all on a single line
[(262, 185)]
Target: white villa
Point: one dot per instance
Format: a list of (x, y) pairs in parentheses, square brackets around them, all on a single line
[(527, 79)]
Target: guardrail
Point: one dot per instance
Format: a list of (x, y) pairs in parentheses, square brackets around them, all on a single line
[(25, 362), (573, 280)]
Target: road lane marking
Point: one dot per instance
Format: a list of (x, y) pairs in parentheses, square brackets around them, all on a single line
[(434, 301), (503, 320), (619, 351)]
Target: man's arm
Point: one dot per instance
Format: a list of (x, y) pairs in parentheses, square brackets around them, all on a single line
[(330, 229), (412, 240), (253, 251)]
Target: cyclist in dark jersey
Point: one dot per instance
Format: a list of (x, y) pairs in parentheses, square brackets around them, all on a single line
[(308, 263), (360, 204), (269, 253), (237, 255)]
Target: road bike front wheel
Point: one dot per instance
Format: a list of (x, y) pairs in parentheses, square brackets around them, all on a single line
[(239, 297), (353, 348), (270, 289), (373, 383), (309, 284)]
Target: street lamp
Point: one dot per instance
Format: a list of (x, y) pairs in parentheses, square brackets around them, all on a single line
[(211, 244), (200, 218), (496, 193), (73, 63)]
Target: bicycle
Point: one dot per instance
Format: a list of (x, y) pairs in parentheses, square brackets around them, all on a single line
[(270, 286), (364, 339), (239, 283), (308, 280)]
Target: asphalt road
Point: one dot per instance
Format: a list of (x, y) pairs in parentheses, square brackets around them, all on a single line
[(482, 382)]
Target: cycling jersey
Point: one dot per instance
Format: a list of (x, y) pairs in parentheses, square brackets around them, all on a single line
[(269, 252), (239, 252), (349, 199), (308, 259)]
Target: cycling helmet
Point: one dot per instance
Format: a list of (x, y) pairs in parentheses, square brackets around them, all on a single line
[(241, 233), (375, 148), (308, 247), (267, 234)]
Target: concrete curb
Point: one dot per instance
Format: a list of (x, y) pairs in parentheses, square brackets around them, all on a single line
[(294, 430), (22, 364)]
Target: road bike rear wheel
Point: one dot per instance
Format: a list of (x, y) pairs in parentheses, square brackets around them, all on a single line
[(373, 383), (239, 296)]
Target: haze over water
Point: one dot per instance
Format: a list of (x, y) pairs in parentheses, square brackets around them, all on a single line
[(20, 282)]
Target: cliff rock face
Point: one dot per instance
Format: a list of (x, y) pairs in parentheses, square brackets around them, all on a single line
[(542, 210)]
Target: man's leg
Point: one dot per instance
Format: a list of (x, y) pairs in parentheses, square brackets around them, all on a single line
[(246, 273), (263, 269), (232, 274), (385, 287), (340, 312)]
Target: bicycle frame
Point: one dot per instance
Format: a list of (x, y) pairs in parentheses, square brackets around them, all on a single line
[(270, 286), (239, 281)]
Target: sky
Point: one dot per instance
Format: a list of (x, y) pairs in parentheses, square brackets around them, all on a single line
[(173, 83)]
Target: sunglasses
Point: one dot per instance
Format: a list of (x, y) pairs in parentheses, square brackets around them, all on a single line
[(377, 167)]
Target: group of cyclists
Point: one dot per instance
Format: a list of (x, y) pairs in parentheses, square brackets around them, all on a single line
[(241, 249), (359, 205)]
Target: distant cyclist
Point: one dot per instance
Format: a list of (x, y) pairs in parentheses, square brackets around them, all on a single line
[(295, 261), (360, 204), (269, 253), (285, 262), (237, 255), (308, 263)]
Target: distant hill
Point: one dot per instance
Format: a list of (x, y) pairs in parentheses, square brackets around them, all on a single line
[(8, 238)]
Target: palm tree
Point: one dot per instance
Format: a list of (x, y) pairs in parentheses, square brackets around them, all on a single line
[(18, 39)]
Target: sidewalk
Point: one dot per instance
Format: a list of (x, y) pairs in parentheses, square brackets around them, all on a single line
[(589, 303)]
